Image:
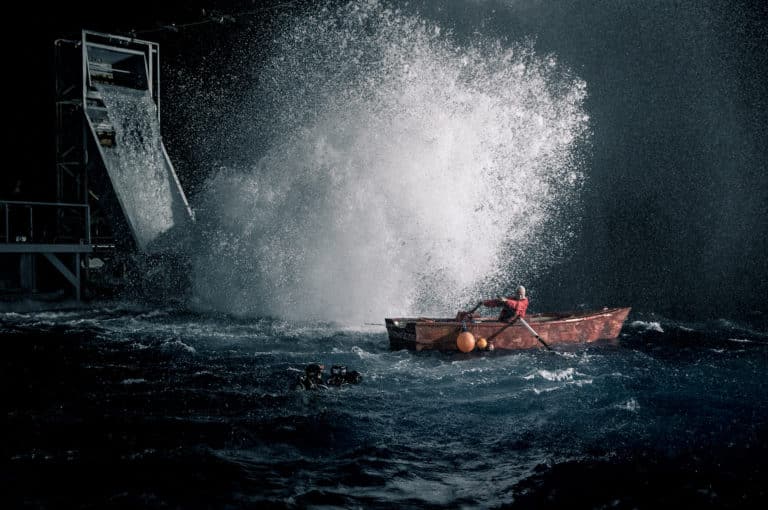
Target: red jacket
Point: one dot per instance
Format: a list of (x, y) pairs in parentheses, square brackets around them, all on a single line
[(511, 306)]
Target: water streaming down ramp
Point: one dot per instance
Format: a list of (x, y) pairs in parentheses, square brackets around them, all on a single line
[(120, 96), (137, 164), (405, 172)]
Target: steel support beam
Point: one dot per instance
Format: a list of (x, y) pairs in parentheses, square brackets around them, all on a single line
[(73, 278)]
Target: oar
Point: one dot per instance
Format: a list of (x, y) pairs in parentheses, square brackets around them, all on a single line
[(469, 313), (476, 307), (534, 333)]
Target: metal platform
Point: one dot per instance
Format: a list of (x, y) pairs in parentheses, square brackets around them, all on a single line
[(25, 232), (45, 248)]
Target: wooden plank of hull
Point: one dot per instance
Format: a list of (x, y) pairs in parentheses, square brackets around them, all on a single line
[(556, 329)]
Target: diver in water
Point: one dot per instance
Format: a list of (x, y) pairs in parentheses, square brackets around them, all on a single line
[(340, 376), (313, 377)]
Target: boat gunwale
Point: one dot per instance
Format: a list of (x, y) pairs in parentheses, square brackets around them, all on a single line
[(547, 318)]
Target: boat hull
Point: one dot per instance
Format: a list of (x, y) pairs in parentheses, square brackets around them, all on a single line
[(555, 329)]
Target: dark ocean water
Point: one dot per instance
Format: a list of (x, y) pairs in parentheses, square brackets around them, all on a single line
[(121, 406)]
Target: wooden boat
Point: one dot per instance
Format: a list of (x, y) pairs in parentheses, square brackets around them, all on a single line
[(553, 328)]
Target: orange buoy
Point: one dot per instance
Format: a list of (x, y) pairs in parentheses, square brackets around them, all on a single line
[(482, 343), (465, 341)]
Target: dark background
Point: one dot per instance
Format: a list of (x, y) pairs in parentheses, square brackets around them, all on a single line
[(676, 201)]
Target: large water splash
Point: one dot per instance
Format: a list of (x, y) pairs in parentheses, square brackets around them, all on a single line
[(404, 173)]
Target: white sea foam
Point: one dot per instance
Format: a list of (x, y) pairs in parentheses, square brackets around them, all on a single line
[(539, 391), (557, 375), (133, 381), (178, 345), (647, 326), (630, 405)]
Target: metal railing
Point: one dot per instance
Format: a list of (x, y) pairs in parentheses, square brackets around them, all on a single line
[(45, 222)]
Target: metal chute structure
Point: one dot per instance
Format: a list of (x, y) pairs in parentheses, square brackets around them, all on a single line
[(121, 100)]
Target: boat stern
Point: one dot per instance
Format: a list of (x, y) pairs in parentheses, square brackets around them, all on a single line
[(402, 333)]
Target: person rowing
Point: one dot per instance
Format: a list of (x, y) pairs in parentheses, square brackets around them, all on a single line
[(512, 307)]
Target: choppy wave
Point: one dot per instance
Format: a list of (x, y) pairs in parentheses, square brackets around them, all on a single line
[(167, 395)]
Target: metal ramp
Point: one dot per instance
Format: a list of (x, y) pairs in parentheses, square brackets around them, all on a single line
[(121, 98)]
